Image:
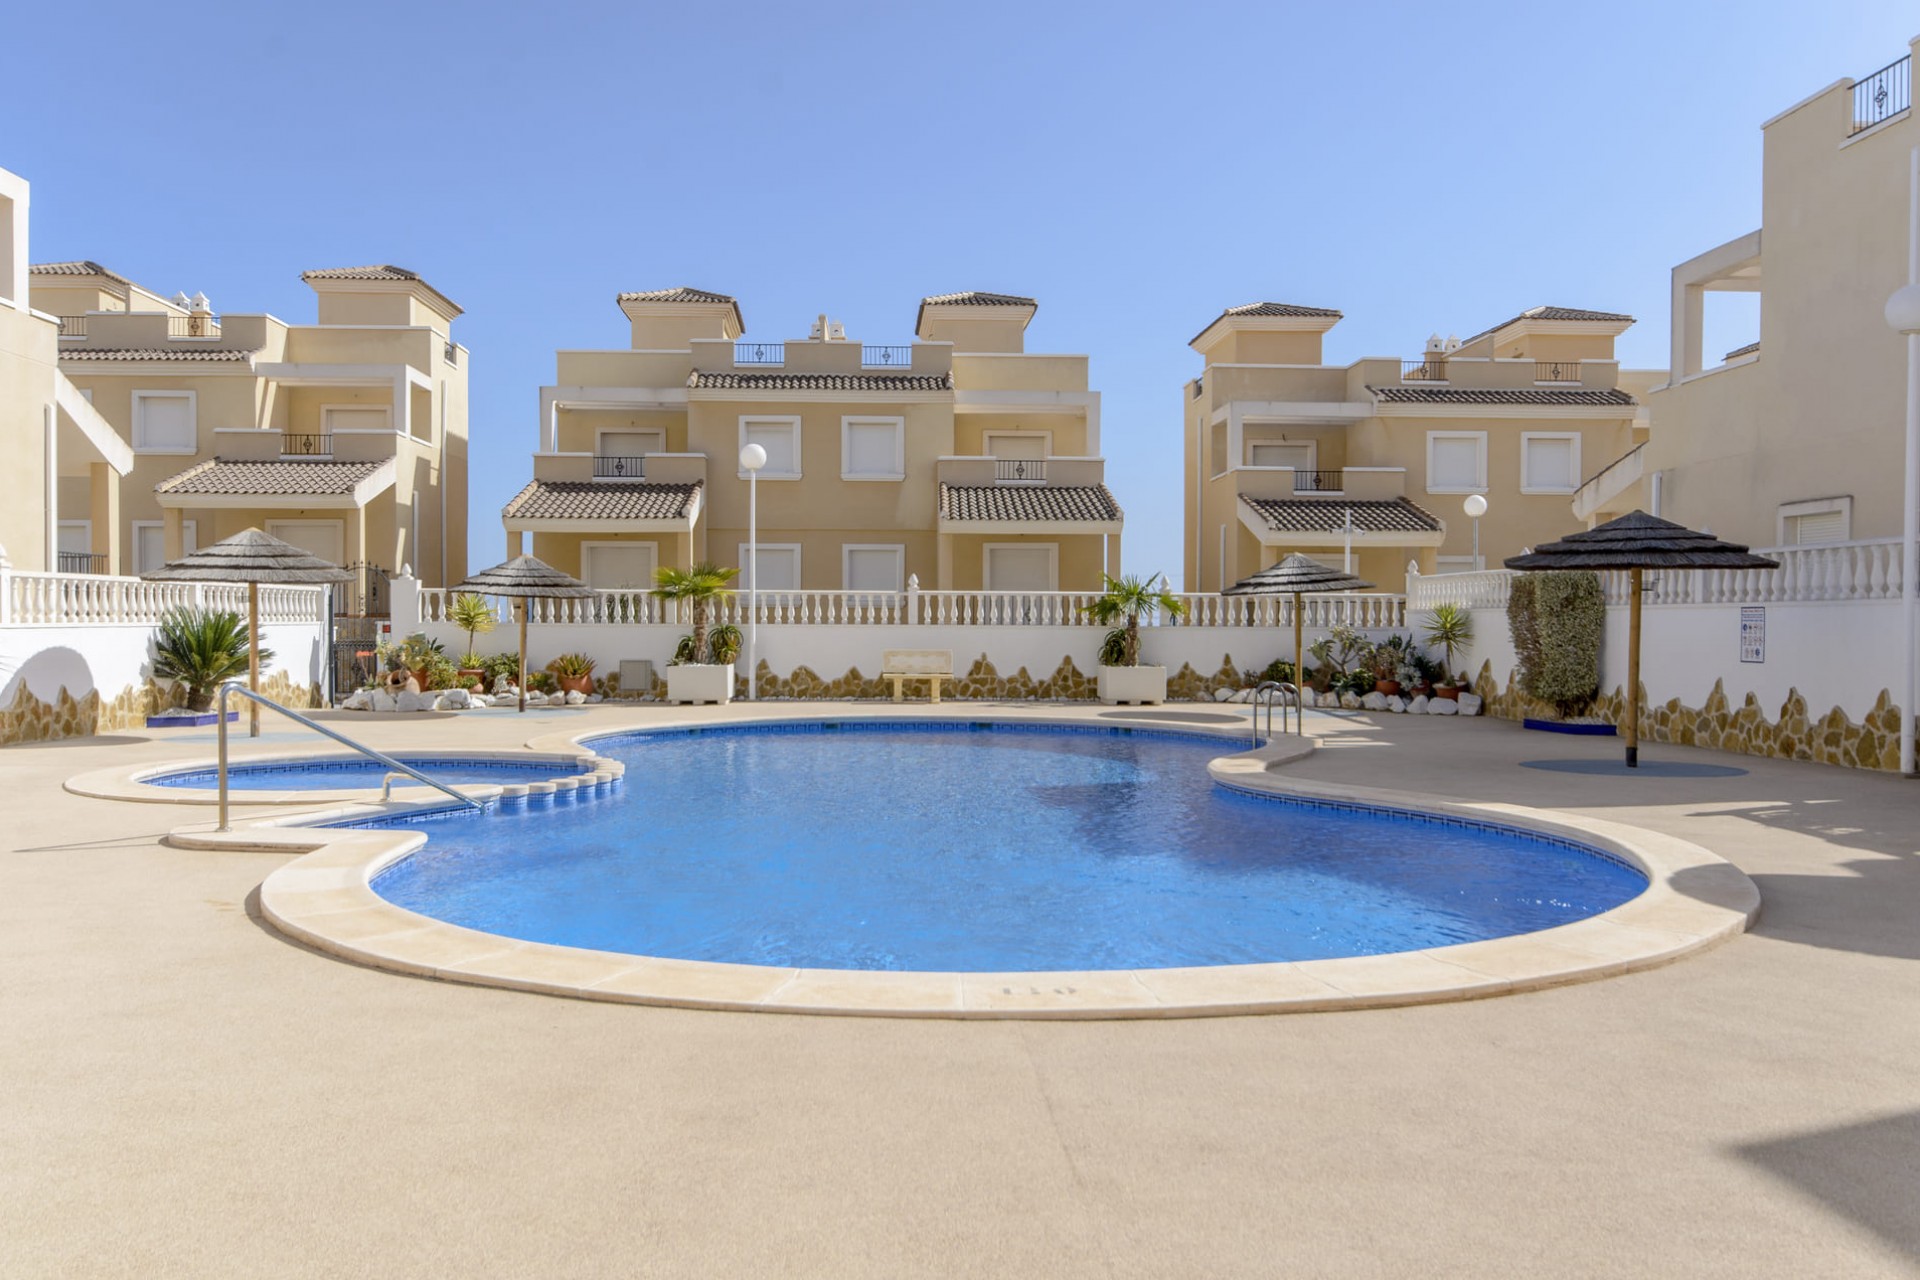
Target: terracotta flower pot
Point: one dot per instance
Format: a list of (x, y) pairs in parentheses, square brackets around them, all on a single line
[(1447, 691), (471, 678), (1388, 687), (582, 685)]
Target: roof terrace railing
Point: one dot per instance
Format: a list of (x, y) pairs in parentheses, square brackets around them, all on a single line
[(1428, 369), (73, 326), (1885, 93), (1556, 371), (759, 353), (195, 326), (893, 357)]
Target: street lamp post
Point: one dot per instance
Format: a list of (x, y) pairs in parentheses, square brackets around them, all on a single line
[(752, 458), (1475, 506), (1903, 314), (1349, 528)]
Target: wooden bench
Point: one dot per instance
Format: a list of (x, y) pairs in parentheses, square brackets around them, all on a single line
[(931, 665)]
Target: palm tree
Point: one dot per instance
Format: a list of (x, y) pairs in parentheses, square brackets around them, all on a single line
[(202, 648), (701, 584), (1450, 628), (1129, 598)]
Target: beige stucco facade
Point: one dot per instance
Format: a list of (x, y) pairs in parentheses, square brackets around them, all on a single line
[(347, 436), (1287, 453), (1800, 436), (960, 460)]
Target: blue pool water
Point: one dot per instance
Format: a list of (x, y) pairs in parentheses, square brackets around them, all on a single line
[(356, 772), (889, 847)]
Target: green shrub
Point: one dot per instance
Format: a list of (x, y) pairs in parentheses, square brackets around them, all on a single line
[(201, 648), (1280, 671), (496, 665), (1558, 620), (723, 643)]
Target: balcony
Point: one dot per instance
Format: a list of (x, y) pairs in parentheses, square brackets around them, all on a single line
[(768, 354), (1020, 471), (888, 357), (1358, 484), (1882, 95), (306, 444), (619, 467), (80, 561)]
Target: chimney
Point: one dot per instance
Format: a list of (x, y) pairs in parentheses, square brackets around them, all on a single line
[(199, 317)]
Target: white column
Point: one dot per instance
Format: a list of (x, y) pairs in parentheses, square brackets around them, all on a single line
[(52, 531)]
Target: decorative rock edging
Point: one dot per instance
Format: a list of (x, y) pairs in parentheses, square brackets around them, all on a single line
[(31, 720), (1795, 734), (325, 898)]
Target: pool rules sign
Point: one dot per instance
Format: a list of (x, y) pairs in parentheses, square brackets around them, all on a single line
[(1753, 633)]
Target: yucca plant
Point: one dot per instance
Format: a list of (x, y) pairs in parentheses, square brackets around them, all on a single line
[(700, 586), (1450, 629), (1125, 600), (201, 648), (473, 615)]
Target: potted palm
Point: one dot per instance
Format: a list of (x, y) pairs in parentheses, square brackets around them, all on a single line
[(201, 649), (697, 674), (1126, 601), (1450, 629), (473, 615)]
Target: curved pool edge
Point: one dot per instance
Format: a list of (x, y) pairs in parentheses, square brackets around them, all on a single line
[(325, 898), (129, 782)]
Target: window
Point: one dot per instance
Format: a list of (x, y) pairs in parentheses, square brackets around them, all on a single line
[(1549, 462), (164, 422), (324, 538), (617, 566), (778, 566), (869, 567), (150, 542), (355, 417), (871, 449), (1805, 524), (780, 437), (1456, 461), (1021, 566), (1298, 456)]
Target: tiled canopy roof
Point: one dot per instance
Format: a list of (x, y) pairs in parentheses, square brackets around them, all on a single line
[(226, 477), (78, 267), (1281, 309), (976, 298), (681, 293), (1557, 313), (593, 500), (1028, 502), (1322, 515), (1737, 352), (1501, 395), (380, 271), (156, 353), (820, 381)]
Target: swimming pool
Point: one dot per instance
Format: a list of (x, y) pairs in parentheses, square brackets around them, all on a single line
[(979, 848), (350, 773)]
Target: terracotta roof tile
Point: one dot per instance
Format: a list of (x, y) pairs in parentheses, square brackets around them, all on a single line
[(1028, 502), (157, 353), (1555, 313), (1322, 515), (597, 500), (234, 477), (681, 293), (380, 271), (78, 267), (820, 381), (1281, 309), (975, 298), (1501, 395)]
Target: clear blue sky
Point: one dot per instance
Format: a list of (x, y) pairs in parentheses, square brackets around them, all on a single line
[(1136, 168)]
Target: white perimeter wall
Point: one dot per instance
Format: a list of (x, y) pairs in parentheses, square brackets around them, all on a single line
[(111, 657)]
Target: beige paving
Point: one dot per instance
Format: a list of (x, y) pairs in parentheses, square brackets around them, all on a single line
[(185, 1092)]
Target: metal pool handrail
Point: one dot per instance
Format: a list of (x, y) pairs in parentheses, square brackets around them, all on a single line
[(341, 738), (1268, 692)]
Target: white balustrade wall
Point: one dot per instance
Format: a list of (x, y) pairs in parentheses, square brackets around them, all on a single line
[(1830, 616), (87, 632)]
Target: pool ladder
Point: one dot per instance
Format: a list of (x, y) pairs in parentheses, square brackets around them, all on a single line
[(408, 771), (1269, 692)]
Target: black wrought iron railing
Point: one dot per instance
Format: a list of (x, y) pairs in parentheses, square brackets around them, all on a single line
[(1020, 470), (193, 327), (306, 444), (451, 354), (80, 561), (1885, 93), (626, 467), (366, 595), (1319, 481), (1199, 385), (1429, 369), (886, 357), (1556, 371), (759, 353), (73, 326)]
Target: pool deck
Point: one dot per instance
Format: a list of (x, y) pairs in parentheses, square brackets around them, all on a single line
[(187, 1092)]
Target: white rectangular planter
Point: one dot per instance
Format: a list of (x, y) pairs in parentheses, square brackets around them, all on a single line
[(1133, 684), (700, 682)]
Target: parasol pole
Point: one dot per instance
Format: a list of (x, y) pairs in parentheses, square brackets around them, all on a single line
[(1633, 669), (253, 659), (525, 603), (1299, 666)]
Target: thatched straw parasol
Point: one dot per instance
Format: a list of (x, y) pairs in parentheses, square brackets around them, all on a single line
[(252, 557), (523, 578), (1634, 542), (1297, 576)]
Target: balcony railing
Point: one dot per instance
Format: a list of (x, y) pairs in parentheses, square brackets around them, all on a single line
[(1199, 385), (1020, 470), (193, 327), (886, 357), (73, 326), (80, 561), (620, 467), (1887, 92), (451, 354), (1430, 369), (306, 444), (759, 353), (1319, 481), (1556, 371)]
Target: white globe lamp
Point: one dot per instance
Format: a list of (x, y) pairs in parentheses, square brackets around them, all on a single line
[(1475, 507)]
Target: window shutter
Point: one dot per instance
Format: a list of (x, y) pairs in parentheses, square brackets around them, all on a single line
[(1456, 463), (872, 449), (873, 569), (1549, 464), (777, 440), (1818, 527), (166, 422)]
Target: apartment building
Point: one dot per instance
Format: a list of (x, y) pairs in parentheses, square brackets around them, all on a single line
[(959, 460), (1371, 462), (54, 438), (347, 437), (1797, 436)]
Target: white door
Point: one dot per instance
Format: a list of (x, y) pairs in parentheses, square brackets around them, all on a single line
[(1297, 456), (150, 543), (618, 566), (335, 418), (1012, 446), (324, 538), (1021, 568)]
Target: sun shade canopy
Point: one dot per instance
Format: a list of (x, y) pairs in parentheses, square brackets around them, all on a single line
[(1296, 575), (525, 577), (250, 556), (1640, 541)]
